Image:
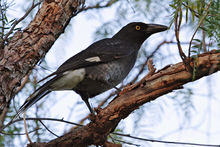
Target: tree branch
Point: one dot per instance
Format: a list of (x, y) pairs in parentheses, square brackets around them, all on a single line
[(99, 5), (160, 83), (166, 142)]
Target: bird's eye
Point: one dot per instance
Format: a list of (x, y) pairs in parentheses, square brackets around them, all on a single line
[(138, 28)]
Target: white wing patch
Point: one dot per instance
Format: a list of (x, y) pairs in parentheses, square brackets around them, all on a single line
[(93, 59), (69, 80)]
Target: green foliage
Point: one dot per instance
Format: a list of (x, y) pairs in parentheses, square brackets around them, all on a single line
[(195, 51), (5, 23), (196, 10), (206, 16), (116, 138), (212, 22), (8, 138)]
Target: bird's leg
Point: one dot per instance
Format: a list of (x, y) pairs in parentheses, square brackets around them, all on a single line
[(86, 100), (118, 89), (92, 115), (113, 86)]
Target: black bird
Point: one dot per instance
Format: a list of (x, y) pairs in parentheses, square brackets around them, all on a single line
[(100, 67)]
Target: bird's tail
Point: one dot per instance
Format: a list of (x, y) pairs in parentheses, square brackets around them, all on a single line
[(34, 97)]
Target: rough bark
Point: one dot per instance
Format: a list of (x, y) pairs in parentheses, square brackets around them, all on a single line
[(153, 86), (27, 47)]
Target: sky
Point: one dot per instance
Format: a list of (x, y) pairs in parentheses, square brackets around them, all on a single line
[(167, 117)]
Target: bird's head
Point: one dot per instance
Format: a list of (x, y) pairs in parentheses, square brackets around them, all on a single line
[(138, 32)]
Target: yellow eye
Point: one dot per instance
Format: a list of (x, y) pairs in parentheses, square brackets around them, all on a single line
[(137, 27)]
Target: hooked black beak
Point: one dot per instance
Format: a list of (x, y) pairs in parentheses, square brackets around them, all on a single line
[(155, 28)]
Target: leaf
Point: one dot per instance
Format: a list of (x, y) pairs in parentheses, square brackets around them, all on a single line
[(194, 69), (5, 18), (193, 15), (193, 51), (5, 27), (173, 6), (217, 51), (197, 40), (11, 21), (187, 12), (193, 12), (198, 2)]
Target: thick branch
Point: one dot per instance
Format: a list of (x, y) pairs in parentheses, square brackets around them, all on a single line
[(27, 47), (160, 83)]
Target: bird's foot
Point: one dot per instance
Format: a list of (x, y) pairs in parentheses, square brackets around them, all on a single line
[(92, 117)]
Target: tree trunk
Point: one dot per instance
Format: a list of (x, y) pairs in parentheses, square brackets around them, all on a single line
[(27, 47)]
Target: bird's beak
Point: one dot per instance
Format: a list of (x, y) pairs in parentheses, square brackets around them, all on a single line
[(155, 28)]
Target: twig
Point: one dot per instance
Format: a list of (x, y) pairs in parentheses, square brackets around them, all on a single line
[(25, 128), (25, 80), (181, 53), (170, 142), (151, 69), (3, 22), (196, 13), (125, 142), (177, 29), (48, 129), (131, 6), (20, 133), (22, 18), (50, 119), (109, 3), (3, 26), (200, 23)]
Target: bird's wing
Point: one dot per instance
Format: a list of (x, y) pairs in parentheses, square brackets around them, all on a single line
[(105, 50), (102, 51)]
